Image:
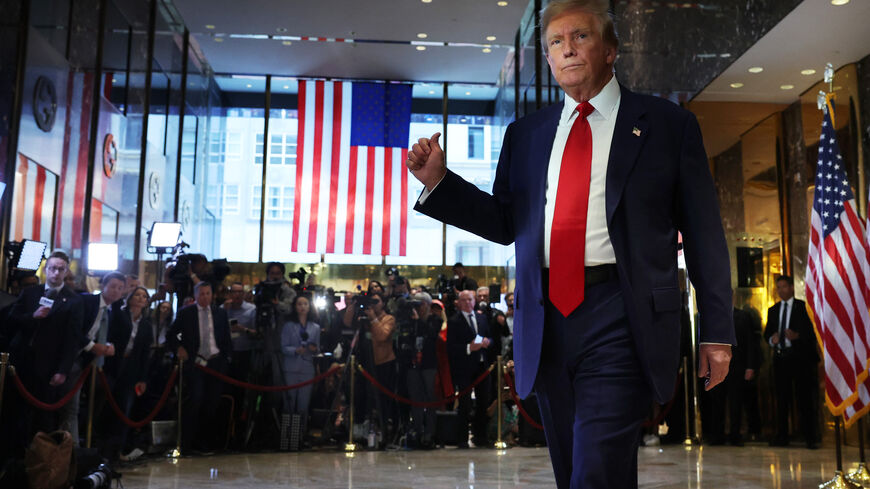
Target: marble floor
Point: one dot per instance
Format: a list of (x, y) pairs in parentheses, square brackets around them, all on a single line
[(753, 466)]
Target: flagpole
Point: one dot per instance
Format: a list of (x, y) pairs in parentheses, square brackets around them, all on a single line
[(839, 481), (860, 476)]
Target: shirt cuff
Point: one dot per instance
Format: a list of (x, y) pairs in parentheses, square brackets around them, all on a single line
[(714, 343), (89, 346), (426, 192), (468, 349)]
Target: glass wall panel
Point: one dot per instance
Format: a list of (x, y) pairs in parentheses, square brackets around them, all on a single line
[(233, 178), (473, 144)]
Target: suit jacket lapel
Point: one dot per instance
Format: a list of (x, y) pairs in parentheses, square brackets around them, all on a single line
[(628, 136), (542, 141)]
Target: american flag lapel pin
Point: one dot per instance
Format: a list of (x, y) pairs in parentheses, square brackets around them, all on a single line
[(635, 131)]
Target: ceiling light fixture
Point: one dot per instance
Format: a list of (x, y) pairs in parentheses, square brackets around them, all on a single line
[(736, 85), (502, 3), (839, 2), (218, 39), (431, 92), (486, 50), (725, 55), (286, 87), (422, 35), (249, 85), (209, 26), (467, 93), (426, 1), (756, 69), (286, 43), (421, 48), (786, 87), (808, 71), (490, 38)]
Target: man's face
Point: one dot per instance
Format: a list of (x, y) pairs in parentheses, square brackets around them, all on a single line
[(55, 271), (203, 296), (579, 58), (237, 295), (509, 300), (131, 284), (459, 272), (113, 290), (274, 274), (483, 296), (465, 302), (784, 289)]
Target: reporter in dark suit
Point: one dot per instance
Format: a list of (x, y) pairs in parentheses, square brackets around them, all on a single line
[(597, 322), (42, 348), (789, 332), (469, 357), (201, 334)]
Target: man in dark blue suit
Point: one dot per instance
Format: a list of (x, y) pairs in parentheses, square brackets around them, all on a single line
[(469, 345), (593, 192), (201, 334)]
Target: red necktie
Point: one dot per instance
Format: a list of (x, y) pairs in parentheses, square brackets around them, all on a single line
[(568, 233)]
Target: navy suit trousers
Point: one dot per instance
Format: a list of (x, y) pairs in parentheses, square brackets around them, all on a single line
[(590, 379)]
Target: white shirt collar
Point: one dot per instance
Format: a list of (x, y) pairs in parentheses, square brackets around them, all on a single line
[(49, 287), (103, 304), (604, 103), (790, 302)]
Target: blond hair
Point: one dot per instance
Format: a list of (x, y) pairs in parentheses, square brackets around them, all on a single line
[(597, 8)]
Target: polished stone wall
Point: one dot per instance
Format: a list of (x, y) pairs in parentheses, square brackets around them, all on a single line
[(728, 176), (796, 179)]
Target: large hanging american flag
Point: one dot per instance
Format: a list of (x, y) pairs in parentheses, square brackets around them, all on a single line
[(351, 184), (837, 275)]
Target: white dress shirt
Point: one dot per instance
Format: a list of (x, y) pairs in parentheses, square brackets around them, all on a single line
[(784, 308), (207, 345), (95, 328), (602, 120)]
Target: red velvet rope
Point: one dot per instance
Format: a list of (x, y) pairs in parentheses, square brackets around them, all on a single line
[(405, 400), (124, 419), (45, 406), (268, 388), (518, 402)]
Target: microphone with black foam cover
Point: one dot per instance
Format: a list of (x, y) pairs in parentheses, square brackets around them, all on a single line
[(48, 297)]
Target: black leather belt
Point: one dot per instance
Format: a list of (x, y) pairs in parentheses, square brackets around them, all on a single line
[(592, 275)]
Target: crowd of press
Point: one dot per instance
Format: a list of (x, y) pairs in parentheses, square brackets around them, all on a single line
[(424, 375)]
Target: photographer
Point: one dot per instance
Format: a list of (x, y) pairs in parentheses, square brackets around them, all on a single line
[(417, 352), (399, 292), (383, 327), (276, 291), (300, 341)]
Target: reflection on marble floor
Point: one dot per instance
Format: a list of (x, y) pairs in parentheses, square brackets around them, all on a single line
[(666, 467)]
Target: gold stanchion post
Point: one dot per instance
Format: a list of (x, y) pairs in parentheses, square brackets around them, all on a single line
[(177, 452), (350, 447), (688, 441), (93, 390), (4, 362), (499, 444), (860, 476)]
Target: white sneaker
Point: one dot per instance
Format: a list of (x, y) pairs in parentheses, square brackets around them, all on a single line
[(133, 455), (651, 441)]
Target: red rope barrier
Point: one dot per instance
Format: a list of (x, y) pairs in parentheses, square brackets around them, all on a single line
[(45, 406), (268, 388), (518, 402), (120, 414), (405, 400)]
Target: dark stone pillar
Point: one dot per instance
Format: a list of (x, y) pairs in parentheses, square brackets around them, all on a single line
[(796, 181), (728, 175)]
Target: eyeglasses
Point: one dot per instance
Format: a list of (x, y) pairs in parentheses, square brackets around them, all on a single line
[(56, 269)]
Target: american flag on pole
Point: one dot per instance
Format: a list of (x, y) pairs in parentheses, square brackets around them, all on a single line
[(351, 184), (837, 275)]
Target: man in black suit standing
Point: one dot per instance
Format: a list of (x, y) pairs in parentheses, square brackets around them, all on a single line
[(790, 333), (46, 321), (201, 334), (94, 340), (468, 349)]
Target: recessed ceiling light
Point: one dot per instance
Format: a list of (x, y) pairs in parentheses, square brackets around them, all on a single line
[(249, 85), (502, 3), (286, 43), (839, 2), (725, 55), (209, 26), (786, 87), (426, 1), (809, 71), (486, 50), (736, 85), (422, 35), (756, 69), (490, 38), (421, 48), (218, 39)]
